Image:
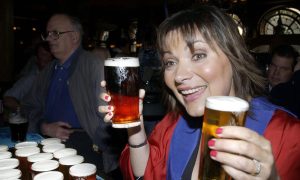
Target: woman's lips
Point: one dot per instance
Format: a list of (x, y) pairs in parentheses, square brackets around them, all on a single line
[(192, 94)]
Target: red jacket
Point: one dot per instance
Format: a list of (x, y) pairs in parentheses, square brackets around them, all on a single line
[(282, 130)]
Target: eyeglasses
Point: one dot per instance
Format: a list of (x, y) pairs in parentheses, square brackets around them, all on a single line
[(53, 34)]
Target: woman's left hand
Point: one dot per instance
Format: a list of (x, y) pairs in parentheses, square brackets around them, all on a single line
[(243, 153)]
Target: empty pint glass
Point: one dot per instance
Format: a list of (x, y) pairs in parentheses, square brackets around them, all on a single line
[(219, 111), (122, 84)]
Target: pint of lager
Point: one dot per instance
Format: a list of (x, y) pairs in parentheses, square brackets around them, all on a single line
[(122, 84), (219, 111)]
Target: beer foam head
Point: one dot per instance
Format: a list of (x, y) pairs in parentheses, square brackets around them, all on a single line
[(3, 147), (227, 103), (46, 165), (27, 151), (25, 144), (53, 147), (71, 160), (64, 152), (39, 157), (122, 62), (50, 175), (50, 141), (10, 174), (5, 154), (9, 163), (84, 169)]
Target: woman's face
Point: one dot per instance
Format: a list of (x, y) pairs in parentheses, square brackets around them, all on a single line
[(194, 76)]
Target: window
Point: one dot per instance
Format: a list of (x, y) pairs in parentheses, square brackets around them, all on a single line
[(280, 20)]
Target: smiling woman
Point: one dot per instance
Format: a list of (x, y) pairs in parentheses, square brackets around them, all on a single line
[(204, 55)]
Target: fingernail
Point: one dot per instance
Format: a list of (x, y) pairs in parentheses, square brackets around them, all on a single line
[(109, 108), (211, 143), (106, 97), (110, 113), (213, 153), (219, 130)]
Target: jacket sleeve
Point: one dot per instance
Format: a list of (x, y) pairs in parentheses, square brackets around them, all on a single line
[(33, 104), (159, 143), (283, 132)]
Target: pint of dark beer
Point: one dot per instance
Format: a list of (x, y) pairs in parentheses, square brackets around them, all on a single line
[(219, 111), (122, 84), (18, 127)]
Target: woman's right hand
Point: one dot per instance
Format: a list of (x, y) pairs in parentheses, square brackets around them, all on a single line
[(108, 110)]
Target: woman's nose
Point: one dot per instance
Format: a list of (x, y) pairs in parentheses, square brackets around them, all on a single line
[(183, 73)]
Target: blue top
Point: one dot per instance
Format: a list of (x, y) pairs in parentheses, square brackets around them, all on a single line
[(59, 106)]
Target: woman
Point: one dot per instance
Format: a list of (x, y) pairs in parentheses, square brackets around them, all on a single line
[(203, 55)]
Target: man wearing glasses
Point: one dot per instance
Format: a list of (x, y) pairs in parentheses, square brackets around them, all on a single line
[(63, 102)]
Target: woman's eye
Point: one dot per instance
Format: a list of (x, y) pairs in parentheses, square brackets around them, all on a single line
[(169, 63), (199, 56)]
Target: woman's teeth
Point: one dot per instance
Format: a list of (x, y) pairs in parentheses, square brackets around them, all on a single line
[(190, 91)]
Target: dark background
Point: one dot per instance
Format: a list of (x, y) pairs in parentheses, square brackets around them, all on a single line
[(24, 20)]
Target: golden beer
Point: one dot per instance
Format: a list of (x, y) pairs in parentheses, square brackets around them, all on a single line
[(122, 84), (219, 111)]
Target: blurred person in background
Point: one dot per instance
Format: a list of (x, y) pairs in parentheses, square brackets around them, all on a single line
[(281, 67), (283, 76), (14, 95)]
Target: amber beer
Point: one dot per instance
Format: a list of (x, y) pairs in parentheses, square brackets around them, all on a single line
[(219, 111), (122, 84)]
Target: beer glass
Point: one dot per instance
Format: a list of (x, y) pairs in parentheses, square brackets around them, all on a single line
[(66, 162), (84, 171), (21, 155), (219, 111), (43, 166), (122, 84), (39, 157), (18, 126)]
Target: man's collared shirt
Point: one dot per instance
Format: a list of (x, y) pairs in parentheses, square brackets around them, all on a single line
[(59, 105)]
